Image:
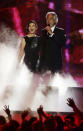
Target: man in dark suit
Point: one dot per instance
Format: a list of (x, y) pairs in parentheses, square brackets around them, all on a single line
[(52, 40)]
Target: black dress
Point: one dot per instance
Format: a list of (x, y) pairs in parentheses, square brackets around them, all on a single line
[(31, 52)]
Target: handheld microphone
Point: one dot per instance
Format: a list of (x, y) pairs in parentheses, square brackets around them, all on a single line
[(48, 24)]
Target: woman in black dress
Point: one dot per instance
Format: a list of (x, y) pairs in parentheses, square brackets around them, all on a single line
[(30, 46)]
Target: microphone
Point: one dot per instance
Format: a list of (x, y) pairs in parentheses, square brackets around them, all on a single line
[(47, 31), (48, 24)]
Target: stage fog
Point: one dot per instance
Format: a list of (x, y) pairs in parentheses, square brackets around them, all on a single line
[(22, 89)]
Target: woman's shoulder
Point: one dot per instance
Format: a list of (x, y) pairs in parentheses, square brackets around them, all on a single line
[(38, 36), (31, 38), (25, 37)]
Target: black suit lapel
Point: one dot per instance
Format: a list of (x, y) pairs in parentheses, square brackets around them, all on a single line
[(55, 30)]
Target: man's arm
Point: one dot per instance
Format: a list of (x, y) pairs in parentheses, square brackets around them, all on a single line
[(7, 111), (24, 114), (60, 38), (41, 113), (71, 103)]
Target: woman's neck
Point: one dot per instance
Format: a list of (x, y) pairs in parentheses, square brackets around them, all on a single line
[(31, 35)]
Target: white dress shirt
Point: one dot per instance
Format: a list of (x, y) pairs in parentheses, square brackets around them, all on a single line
[(52, 28)]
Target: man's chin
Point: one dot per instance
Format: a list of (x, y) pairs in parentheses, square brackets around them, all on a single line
[(50, 25)]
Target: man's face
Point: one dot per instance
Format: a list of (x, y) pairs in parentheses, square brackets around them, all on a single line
[(32, 28), (51, 20)]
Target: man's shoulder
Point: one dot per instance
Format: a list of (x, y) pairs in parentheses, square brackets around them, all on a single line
[(43, 30), (60, 30)]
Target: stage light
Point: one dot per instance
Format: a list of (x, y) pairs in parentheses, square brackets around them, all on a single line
[(81, 31), (17, 21), (51, 5), (67, 55)]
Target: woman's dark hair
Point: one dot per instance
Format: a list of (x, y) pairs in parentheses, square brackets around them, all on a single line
[(31, 21)]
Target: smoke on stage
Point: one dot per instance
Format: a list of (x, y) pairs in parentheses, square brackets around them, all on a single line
[(20, 88)]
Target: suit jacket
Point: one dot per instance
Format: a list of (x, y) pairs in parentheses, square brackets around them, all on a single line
[(51, 49)]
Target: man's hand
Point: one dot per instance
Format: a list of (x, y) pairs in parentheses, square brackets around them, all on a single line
[(40, 110), (7, 110), (24, 114), (41, 113), (71, 102), (49, 30)]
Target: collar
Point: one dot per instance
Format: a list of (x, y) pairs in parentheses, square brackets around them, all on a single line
[(52, 28)]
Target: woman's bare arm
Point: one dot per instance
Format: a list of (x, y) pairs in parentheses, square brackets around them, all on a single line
[(22, 45)]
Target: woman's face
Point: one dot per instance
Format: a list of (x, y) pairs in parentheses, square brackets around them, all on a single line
[(32, 28)]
